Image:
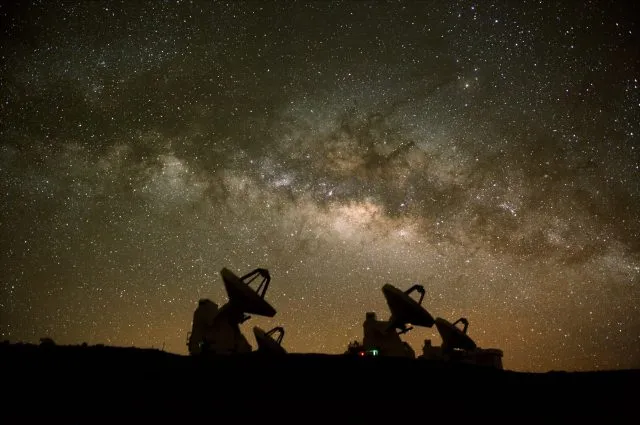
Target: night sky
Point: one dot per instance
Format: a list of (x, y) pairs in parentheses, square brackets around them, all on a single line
[(489, 151)]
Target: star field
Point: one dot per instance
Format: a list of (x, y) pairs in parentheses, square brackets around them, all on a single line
[(488, 151)]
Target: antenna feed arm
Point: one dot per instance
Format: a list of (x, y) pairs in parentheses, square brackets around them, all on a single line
[(264, 273), (280, 331), (253, 274), (417, 288), (464, 321)]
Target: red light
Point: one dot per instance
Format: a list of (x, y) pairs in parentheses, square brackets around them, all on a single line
[(361, 353)]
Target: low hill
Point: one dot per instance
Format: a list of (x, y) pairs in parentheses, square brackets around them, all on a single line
[(101, 381)]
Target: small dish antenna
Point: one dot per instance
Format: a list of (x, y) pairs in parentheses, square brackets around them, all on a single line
[(405, 310), (452, 336), (270, 342)]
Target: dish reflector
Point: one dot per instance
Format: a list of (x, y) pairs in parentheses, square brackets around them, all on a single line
[(454, 337), (266, 341), (404, 309), (243, 297)]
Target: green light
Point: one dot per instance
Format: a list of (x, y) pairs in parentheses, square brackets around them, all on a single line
[(374, 352)]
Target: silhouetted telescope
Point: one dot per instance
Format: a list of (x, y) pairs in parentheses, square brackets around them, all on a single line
[(453, 337), (270, 342), (405, 310), (242, 297)]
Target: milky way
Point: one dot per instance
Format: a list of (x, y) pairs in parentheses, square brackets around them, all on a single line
[(488, 152)]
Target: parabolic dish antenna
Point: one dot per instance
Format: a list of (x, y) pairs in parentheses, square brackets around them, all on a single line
[(243, 297), (404, 309), (454, 337), (269, 342)]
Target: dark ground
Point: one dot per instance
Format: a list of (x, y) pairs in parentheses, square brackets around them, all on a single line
[(136, 385)]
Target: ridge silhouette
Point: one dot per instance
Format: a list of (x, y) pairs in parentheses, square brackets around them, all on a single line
[(223, 378)]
